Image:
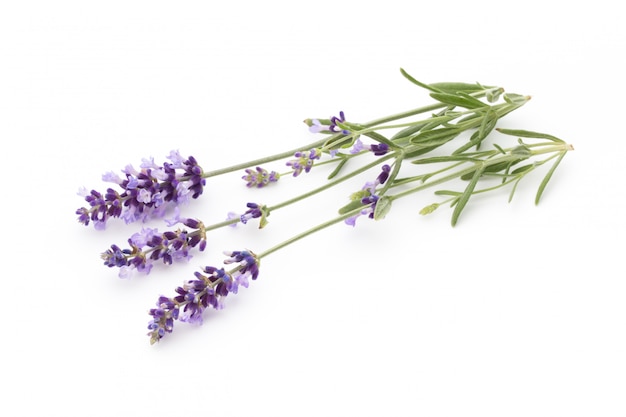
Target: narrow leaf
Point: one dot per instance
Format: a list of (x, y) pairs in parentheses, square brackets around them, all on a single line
[(450, 158), (418, 83), (448, 192), (523, 169), (436, 136), (467, 101), (383, 205), (514, 188), (409, 131), (543, 184), (352, 205), (528, 134), (493, 168), (466, 195), (516, 99), (458, 87), (337, 168)]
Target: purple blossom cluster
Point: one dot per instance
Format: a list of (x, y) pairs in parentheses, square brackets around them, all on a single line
[(208, 289), (304, 161), (254, 211), (259, 177), (378, 149), (316, 126), (335, 121), (149, 246), (144, 193), (368, 196)]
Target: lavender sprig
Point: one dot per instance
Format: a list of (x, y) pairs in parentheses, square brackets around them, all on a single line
[(145, 193), (207, 290), (459, 109), (149, 246)]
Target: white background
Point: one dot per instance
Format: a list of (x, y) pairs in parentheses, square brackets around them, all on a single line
[(517, 311)]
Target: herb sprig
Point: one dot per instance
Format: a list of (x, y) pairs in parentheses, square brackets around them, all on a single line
[(450, 141)]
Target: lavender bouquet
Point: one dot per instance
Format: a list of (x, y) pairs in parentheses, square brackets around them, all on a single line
[(449, 141)]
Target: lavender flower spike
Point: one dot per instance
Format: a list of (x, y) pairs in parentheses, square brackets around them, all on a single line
[(144, 193), (304, 161), (208, 289), (149, 245), (259, 177)]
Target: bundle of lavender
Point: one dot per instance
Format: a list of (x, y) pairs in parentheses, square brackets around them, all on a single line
[(427, 147)]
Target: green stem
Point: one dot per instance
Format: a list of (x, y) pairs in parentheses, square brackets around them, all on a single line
[(308, 232), (321, 142), (332, 183), (484, 164), (260, 161)]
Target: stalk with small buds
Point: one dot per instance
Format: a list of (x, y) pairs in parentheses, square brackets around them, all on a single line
[(449, 141)]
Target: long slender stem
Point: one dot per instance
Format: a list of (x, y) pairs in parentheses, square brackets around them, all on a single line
[(316, 144), (486, 163), (505, 158), (260, 161), (332, 183), (308, 232)]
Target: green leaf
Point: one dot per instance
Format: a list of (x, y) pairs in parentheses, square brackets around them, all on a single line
[(499, 148), (523, 169), (418, 83), (486, 126), (516, 99), (450, 158), (459, 87), (409, 131), (462, 202), (514, 188), (546, 179), (352, 205), (264, 214), (522, 150), (383, 205), (493, 168), (488, 123), (448, 192), (337, 168), (494, 94), (433, 122), (429, 209), (465, 101), (529, 134), (436, 136)]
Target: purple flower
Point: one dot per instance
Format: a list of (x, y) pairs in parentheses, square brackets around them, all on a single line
[(368, 196), (334, 121), (316, 126), (112, 177), (207, 290), (254, 211), (357, 147), (148, 246), (144, 193), (379, 149), (162, 318), (247, 260), (232, 216), (304, 161), (260, 177), (384, 174)]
